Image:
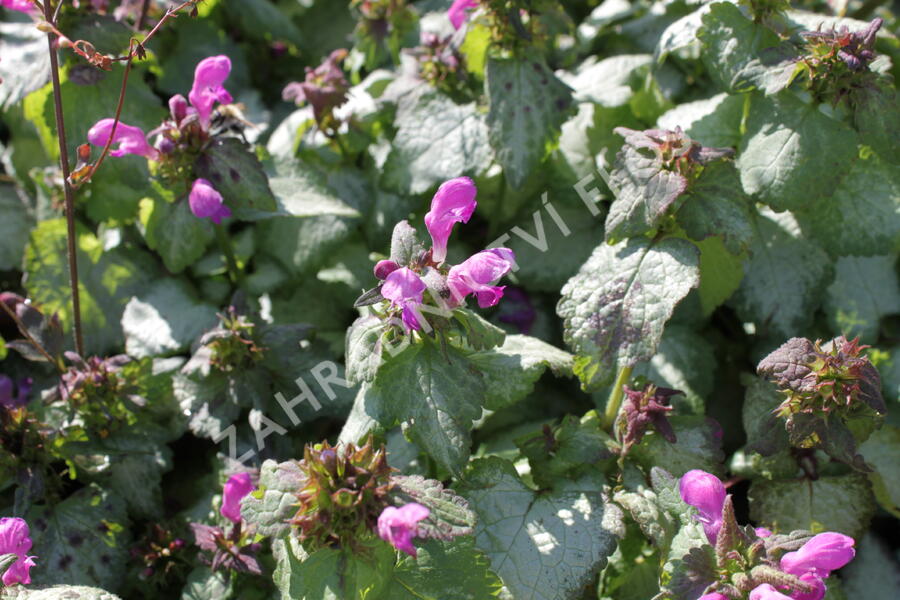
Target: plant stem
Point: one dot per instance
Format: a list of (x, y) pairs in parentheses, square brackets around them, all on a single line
[(30, 338), (615, 398), (234, 273), (67, 188)]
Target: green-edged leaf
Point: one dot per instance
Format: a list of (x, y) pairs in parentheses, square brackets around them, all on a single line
[(699, 446), (108, 279), (165, 319), (882, 452), (440, 570), (450, 514), (15, 222), (816, 506), (511, 370), (173, 231), (862, 217), (714, 122), (238, 175), (438, 392), (544, 546), (273, 501), (480, 334), (616, 307), (715, 206), (781, 159), (85, 538), (864, 290), (783, 279), (416, 163), (55, 592), (528, 105), (364, 348)]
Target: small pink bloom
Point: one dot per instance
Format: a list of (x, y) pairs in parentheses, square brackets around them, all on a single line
[(714, 596), (383, 268), (14, 540), (818, 585), (706, 493), (19, 5), (209, 76), (767, 592), (131, 140), (398, 526), (820, 556), (478, 274), (178, 107), (404, 289), (458, 11), (762, 532), (237, 486), (205, 202), (454, 202)]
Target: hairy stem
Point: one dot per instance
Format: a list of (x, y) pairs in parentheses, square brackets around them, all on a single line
[(615, 398), (234, 273), (67, 188)]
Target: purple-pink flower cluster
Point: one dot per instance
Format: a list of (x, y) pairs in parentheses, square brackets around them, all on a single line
[(190, 123), (14, 539)]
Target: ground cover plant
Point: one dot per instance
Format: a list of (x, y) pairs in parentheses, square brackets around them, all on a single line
[(389, 299)]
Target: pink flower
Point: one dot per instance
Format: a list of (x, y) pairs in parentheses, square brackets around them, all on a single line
[(14, 540), (209, 76), (767, 592), (458, 11), (820, 556), (398, 526), (383, 268), (131, 140), (713, 596), (454, 202), (762, 532), (178, 107), (478, 274), (205, 202), (19, 5), (706, 493), (818, 591), (404, 289), (237, 486)]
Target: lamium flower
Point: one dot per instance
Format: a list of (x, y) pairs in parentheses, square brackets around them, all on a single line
[(398, 526), (237, 486), (383, 268), (205, 202), (706, 493), (713, 596), (820, 556), (458, 11), (130, 140), (14, 539), (404, 289), (209, 76), (454, 202), (178, 107), (324, 88), (478, 275), (19, 5), (767, 592)]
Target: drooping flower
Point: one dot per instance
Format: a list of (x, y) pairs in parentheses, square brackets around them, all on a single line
[(706, 493), (398, 526), (458, 11), (19, 5), (237, 486), (478, 275), (404, 289), (209, 76), (14, 539), (205, 202), (130, 140), (767, 592), (454, 202)]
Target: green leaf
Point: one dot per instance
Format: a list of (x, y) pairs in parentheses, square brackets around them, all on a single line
[(416, 163), (765, 432), (528, 105), (862, 217), (302, 191), (480, 334), (238, 175), (114, 193), (864, 290), (715, 206), (438, 392), (783, 279), (781, 159), (55, 592), (85, 538), (15, 222), (610, 82), (511, 370), (816, 506), (876, 107), (699, 446), (873, 573), (714, 122), (204, 584), (108, 279), (364, 348), (450, 514), (174, 232), (303, 244), (274, 500), (721, 273), (166, 319), (882, 451), (544, 546), (26, 63), (457, 570), (263, 20), (616, 307)]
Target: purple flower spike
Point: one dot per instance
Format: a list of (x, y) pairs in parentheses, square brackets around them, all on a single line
[(237, 486), (454, 202), (706, 493), (767, 592), (398, 526), (131, 140), (209, 76), (205, 202), (14, 540), (458, 11), (820, 556), (478, 274), (404, 289)]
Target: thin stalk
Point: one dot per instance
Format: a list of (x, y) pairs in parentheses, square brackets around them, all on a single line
[(615, 398), (145, 6), (234, 273), (67, 189), (30, 338)]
